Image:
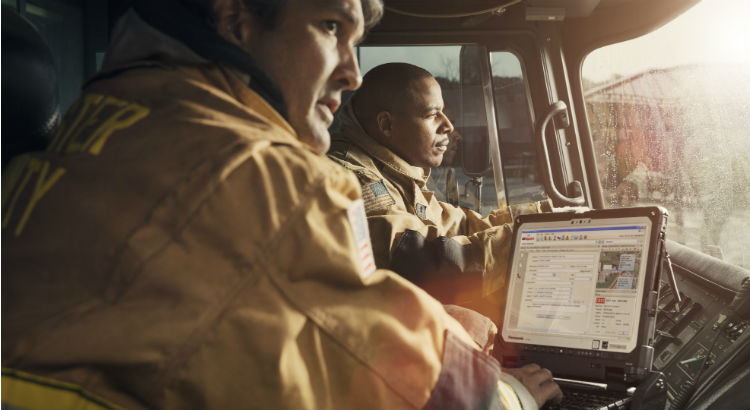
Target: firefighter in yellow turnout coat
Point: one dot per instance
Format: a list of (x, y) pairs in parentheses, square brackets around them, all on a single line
[(390, 135), (179, 245)]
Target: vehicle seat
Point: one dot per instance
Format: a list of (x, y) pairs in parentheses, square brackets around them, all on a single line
[(21, 390), (30, 111)]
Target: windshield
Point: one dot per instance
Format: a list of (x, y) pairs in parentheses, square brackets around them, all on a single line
[(669, 114)]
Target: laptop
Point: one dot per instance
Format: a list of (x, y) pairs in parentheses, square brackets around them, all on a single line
[(581, 300)]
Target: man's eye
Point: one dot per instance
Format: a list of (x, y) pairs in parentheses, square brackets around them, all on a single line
[(331, 26)]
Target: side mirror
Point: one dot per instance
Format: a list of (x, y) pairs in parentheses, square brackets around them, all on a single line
[(472, 119)]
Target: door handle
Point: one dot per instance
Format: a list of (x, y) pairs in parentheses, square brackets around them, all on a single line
[(557, 108)]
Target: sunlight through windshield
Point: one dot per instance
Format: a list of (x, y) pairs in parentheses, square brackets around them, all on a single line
[(669, 113)]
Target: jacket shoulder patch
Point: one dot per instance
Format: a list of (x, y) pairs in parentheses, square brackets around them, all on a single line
[(376, 196)]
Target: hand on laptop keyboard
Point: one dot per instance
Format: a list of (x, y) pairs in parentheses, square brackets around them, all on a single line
[(538, 381)]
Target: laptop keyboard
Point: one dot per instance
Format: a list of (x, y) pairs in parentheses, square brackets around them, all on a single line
[(585, 400)]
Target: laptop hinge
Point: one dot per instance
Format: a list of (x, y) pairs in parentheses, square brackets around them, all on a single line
[(616, 379)]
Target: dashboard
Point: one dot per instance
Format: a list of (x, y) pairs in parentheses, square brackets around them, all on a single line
[(701, 344)]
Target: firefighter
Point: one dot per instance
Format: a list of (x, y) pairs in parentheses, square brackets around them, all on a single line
[(184, 243), (391, 134)]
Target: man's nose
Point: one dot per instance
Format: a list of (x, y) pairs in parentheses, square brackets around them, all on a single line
[(446, 127), (347, 73)]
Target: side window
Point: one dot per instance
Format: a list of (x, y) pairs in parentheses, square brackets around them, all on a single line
[(669, 115), (449, 181), (516, 130)]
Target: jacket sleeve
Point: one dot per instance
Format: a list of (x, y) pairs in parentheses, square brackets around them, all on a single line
[(460, 259), (324, 329)]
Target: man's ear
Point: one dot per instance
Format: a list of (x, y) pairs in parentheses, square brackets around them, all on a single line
[(384, 120), (235, 23)]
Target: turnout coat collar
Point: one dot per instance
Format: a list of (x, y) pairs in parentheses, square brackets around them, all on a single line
[(352, 131)]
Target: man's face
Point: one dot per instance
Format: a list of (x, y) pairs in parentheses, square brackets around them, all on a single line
[(310, 55), (419, 130)]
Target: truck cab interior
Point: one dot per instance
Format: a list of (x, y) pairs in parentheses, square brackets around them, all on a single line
[(595, 103), (605, 104)]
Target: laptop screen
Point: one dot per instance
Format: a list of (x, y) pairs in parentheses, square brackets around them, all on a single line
[(578, 283)]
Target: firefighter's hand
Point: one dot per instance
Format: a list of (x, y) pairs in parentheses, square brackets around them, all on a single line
[(538, 382)]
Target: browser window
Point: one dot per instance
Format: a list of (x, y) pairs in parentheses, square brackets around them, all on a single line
[(578, 284)]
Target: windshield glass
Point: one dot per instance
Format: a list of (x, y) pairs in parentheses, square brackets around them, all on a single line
[(669, 114)]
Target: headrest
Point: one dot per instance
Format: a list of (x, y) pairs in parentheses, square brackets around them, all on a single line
[(30, 110)]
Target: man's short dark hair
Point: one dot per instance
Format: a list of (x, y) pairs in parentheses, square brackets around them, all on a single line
[(268, 11), (387, 87)]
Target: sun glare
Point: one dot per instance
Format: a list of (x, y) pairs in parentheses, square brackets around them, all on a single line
[(713, 31), (731, 41)]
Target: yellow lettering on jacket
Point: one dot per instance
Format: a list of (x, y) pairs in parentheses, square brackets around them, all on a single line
[(92, 120), (14, 184), (123, 118), (43, 184), (86, 128), (32, 168), (81, 107)]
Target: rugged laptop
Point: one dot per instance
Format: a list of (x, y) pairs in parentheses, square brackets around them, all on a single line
[(581, 300)]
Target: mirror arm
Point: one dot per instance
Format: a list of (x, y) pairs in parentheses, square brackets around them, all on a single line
[(558, 107)]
